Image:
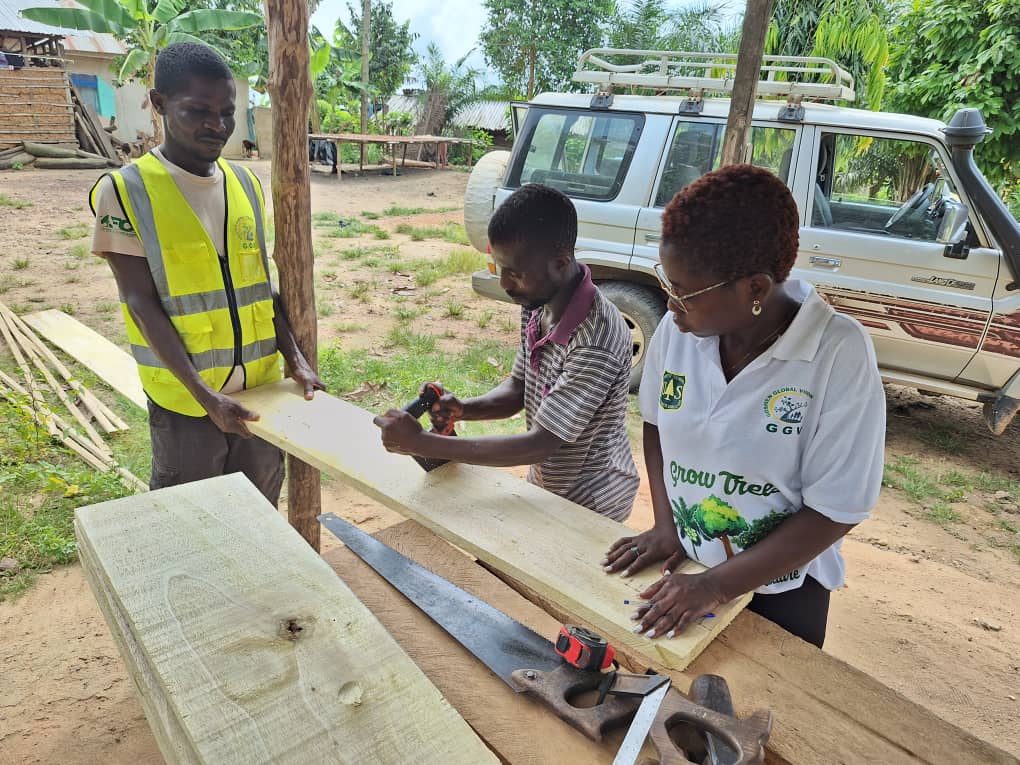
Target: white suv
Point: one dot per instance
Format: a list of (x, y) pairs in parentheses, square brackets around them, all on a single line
[(898, 227)]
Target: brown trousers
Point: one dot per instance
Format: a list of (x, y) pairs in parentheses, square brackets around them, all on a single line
[(186, 449)]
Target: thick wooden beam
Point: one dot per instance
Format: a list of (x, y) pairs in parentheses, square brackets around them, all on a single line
[(244, 645), (752, 45), (290, 88)]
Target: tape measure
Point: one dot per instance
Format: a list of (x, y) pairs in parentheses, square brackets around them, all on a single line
[(584, 649)]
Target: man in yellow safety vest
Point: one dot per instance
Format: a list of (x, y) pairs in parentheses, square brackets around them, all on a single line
[(184, 233)]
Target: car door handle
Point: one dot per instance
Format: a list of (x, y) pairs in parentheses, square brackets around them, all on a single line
[(824, 262), (653, 238)]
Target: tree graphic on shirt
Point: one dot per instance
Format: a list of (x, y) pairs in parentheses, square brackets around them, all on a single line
[(717, 519), (686, 523), (760, 528), (789, 409)]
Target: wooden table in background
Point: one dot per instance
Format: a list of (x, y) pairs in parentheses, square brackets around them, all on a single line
[(390, 141)]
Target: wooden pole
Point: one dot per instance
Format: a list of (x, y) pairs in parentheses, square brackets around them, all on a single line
[(752, 44), (366, 39), (290, 88)]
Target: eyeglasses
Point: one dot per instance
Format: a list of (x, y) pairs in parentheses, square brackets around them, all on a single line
[(678, 300)]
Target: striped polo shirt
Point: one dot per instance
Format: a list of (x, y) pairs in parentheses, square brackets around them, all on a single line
[(576, 382)]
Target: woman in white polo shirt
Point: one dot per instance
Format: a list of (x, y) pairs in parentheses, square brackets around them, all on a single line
[(764, 417)]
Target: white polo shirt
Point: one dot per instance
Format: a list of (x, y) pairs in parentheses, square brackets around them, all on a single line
[(801, 425)]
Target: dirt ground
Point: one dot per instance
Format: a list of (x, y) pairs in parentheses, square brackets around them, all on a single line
[(931, 602)]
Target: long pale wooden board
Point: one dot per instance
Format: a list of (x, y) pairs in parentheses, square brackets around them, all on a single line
[(114, 366), (245, 646), (550, 544)]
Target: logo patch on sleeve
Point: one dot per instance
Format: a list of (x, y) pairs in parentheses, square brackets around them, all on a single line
[(672, 394)]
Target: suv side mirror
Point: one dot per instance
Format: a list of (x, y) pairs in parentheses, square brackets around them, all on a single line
[(953, 228)]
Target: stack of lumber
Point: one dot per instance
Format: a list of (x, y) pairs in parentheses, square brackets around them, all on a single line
[(35, 105), (244, 645), (53, 157), (92, 136), (86, 346), (88, 412)]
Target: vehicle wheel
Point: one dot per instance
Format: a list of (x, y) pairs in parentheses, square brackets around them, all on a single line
[(480, 196), (642, 309)]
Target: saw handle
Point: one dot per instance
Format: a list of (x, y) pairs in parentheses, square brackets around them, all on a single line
[(555, 689), (746, 736)]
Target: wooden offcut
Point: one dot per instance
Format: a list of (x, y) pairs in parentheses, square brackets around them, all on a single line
[(244, 645), (115, 367), (552, 545), (35, 106)]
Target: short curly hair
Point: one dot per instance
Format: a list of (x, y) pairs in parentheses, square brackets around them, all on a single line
[(538, 216), (734, 222), (177, 62)]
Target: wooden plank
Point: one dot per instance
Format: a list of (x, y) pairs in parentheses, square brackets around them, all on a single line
[(826, 711), (461, 678), (114, 366), (247, 647), (548, 543)]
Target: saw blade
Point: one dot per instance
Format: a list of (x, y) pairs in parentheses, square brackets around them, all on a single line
[(499, 642)]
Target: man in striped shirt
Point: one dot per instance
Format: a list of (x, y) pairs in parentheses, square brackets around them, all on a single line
[(571, 374)]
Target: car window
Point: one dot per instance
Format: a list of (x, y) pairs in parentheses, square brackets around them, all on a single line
[(885, 186), (693, 152), (772, 148), (696, 148), (583, 155)]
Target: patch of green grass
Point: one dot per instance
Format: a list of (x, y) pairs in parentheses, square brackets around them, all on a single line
[(396, 211), (454, 310), (943, 436), (106, 307), (483, 319), (77, 231), (354, 228), (324, 218), (79, 251), (324, 309), (469, 373), (416, 343), (346, 327), (370, 215), (69, 308), (20, 264), (448, 232), (408, 313), (71, 266), (42, 485), (360, 252), (458, 262), (361, 291), (6, 282), (17, 204)]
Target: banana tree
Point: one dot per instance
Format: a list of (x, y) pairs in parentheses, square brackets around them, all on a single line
[(146, 27)]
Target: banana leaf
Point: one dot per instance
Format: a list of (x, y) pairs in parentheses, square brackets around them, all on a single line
[(214, 20), (71, 18), (111, 10)]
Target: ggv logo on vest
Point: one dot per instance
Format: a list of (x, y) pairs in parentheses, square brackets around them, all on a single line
[(786, 407), (244, 229)]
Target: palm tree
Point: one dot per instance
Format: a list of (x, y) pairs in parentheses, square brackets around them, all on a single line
[(652, 25), (146, 27), (447, 88)]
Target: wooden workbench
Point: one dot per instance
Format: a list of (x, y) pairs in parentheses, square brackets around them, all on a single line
[(392, 142), (826, 712)]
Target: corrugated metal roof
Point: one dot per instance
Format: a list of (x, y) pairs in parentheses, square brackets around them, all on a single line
[(487, 115), (74, 40)]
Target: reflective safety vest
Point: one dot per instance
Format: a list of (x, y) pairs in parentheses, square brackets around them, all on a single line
[(221, 308)]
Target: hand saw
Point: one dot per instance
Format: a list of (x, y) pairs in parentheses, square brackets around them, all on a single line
[(528, 662)]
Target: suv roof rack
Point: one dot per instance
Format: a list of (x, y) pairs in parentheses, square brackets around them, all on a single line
[(810, 76)]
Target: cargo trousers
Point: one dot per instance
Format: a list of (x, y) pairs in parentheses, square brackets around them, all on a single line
[(186, 449)]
